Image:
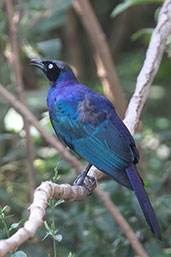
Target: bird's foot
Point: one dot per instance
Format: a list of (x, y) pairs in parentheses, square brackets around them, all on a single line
[(89, 185), (79, 180)]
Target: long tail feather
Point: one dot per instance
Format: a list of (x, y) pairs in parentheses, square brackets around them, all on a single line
[(143, 200)]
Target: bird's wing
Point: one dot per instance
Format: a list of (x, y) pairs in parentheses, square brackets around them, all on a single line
[(93, 135), (100, 146), (107, 150), (91, 124)]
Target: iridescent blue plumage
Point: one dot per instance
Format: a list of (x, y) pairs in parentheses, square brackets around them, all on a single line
[(88, 123)]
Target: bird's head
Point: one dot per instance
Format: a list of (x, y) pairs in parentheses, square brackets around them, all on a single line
[(52, 68)]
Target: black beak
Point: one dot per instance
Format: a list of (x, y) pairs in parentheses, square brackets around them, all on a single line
[(38, 63)]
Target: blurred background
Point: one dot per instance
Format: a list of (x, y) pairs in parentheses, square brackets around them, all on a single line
[(52, 30)]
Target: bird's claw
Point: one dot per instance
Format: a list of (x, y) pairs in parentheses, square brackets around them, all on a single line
[(79, 180), (90, 185)]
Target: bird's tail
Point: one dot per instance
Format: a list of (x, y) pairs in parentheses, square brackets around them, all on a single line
[(143, 200)]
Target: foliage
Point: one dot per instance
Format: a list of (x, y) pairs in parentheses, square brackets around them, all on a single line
[(128, 3), (7, 230), (51, 230), (86, 227)]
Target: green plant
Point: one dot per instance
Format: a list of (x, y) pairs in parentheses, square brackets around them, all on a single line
[(7, 230), (51, 229)]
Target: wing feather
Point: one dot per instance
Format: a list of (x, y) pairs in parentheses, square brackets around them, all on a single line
[(94, 135)]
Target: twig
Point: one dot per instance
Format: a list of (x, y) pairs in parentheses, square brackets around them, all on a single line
[(151, 64), (16, 67), (136, 245), (105, 66)]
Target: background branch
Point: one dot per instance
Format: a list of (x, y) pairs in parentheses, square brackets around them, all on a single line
[(150, 67), (16, 67), (52, 140), (104, 63)]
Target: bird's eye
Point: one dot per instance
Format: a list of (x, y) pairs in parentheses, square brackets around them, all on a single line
[(50, 66)]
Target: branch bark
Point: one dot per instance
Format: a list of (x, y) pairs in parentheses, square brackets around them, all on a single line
[(105, 66), (150, 67), (44, 192), (68, 193), (16, 67)]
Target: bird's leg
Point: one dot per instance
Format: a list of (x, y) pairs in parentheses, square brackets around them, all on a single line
[(80, 179)]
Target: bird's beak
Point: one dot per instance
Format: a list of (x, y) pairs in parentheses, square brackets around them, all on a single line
[(38, 63)]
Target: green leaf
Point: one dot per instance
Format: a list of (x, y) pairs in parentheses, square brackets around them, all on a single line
[(70, 254), (16, 225), (56, 177), (156, 14), (50, 48), (60, 7), (19, 254), (47, 226), (59, 202), (128, 3), (3, 209), (3, 217), (47, 234), (46, 25), (141, 33)]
